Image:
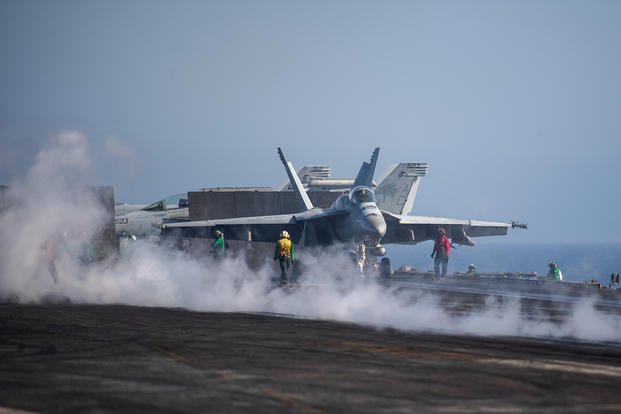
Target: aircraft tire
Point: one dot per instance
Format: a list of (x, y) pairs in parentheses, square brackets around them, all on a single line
[(384, 268)]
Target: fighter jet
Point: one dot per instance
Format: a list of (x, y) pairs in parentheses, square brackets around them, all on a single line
[(353, 217), (145, 221)]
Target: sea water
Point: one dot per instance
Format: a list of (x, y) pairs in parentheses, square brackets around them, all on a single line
[(578, 262)]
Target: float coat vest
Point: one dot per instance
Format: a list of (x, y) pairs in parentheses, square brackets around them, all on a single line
[(284, 247)]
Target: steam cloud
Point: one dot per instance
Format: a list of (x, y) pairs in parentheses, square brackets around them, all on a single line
[(44, 204)]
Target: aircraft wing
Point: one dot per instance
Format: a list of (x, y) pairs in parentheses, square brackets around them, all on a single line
[(313, 227), (402, 229), (260, 228)]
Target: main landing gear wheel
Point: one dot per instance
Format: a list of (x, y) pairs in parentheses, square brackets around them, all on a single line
[(384, 268)]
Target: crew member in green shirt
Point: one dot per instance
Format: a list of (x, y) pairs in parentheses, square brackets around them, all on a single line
[(218, 245)]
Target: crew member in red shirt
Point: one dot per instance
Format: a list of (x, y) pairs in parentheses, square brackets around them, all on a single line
[(441, 250)]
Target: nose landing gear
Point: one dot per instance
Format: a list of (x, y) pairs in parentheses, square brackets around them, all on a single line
[(366, 260)]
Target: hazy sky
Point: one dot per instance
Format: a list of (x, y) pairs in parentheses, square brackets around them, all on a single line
[(515, 105)]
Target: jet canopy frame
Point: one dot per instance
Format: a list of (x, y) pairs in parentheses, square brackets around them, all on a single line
[(362, 194), (170, 203)]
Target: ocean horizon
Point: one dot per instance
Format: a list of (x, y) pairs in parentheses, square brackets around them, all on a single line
[(577, 261)]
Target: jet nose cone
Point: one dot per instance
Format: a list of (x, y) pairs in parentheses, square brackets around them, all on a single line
[(376, 225)]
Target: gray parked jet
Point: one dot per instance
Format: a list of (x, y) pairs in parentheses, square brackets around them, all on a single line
[(354, 217), (145, 221)]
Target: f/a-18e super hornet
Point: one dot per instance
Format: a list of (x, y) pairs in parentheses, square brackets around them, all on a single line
[(353, 217)]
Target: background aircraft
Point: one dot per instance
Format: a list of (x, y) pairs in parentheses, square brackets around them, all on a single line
[(145, 221), (354, 217)]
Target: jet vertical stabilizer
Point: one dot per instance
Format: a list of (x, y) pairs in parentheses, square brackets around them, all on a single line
[(365, 175), (301, 197), (397, 190)]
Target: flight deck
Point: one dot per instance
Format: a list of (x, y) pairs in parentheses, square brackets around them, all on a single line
[(116, 358)]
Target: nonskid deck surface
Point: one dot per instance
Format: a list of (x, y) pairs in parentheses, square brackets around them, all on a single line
[(462, 292), (87, 358), (462, 295)]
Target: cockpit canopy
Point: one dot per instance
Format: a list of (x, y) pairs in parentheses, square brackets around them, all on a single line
[(170, 203), (362, 195)]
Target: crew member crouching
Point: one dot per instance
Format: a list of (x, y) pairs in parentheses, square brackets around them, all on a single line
[(554, 273)]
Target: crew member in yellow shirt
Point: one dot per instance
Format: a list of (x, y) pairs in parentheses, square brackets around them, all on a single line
[(285, 254)]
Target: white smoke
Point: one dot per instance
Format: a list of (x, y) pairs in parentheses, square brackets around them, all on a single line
[(49, 203), (46, 204)]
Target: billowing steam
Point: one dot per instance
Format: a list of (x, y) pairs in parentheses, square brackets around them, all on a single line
[(47, 208), (45, 205)]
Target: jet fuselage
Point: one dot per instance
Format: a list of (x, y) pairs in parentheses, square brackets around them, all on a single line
[(364, 221)]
